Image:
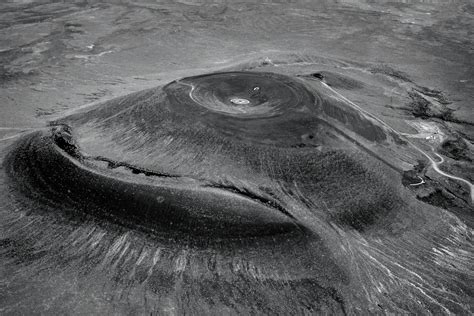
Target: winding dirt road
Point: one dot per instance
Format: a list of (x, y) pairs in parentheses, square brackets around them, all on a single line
[(434, 164)]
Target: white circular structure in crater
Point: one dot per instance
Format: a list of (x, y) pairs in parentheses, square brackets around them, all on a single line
[(239, 101)]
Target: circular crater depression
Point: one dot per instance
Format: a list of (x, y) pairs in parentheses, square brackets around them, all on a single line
[(248, 94)]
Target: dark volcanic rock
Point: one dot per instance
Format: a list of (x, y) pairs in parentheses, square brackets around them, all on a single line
[(254, 191), (456, 149)]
